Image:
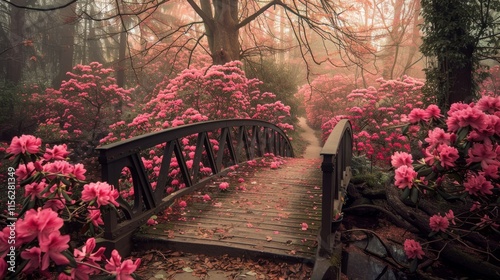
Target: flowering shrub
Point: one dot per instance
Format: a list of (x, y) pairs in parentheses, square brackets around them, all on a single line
[(59, 211), (196, 95), (84, 106), (376, 114), (460, 162)]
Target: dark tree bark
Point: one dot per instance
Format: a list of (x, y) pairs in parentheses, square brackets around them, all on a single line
[(221, 28), (67, 18), (15, 56)]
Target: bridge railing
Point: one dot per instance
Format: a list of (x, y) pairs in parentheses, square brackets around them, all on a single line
[(213, 145), (336, 167)]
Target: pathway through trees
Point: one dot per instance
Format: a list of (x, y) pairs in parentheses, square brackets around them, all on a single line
[(314, 147)]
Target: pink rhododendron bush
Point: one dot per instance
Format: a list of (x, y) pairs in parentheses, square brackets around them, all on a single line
[(376, 114), (210, 93), (453, 187), (82, 108), (196, 95), (50, 231)]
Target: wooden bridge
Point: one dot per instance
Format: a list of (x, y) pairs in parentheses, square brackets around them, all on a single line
[(287, 211)]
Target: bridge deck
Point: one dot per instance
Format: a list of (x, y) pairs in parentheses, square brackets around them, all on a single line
[(261, 216)]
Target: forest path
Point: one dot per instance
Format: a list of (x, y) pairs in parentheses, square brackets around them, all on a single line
[(314, 147)]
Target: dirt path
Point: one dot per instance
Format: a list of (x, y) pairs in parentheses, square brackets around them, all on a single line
[(314, 148)]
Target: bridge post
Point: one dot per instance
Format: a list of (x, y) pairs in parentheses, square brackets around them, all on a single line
[(327, 167), (337, 153)]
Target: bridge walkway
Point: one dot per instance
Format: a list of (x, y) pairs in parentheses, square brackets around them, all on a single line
[(264, 213)]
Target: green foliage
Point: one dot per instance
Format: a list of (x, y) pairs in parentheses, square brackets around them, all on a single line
[(280, 79), (457, 36), (13, 107), (363, 170)]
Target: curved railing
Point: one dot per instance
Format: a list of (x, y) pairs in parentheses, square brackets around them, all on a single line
[(217, 146), (336, 168)]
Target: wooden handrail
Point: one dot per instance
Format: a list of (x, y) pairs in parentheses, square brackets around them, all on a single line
[(239, 140), (336, 168)]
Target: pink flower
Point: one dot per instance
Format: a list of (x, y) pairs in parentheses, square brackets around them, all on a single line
[(58, 152), (182, 204), (447, 155), (489, 104), (23, 171), (86, 252), (121, 270), (438, 136), (485, 153), (151, 222), (87, 256), (101, 192), (223, 186), (34, 257), (23, 144), (491, 171), (4, 242), (58, 167), (241, 180), (79, 171), (401, 158), (38, 223), (469, 116), (433, 112), (416, 115), (438, 223), (413, 249), (404, 176), (477, 185), (451, 217), (487, 221), (54, 204), (95, 217), (274, 165), (34, 189), (304, 226), (206, 197), (52, 247), (476, 205)]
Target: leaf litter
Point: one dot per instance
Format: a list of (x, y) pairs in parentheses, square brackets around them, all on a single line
[(171, 263)]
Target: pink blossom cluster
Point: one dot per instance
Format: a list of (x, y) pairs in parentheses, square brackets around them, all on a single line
[(441, 223), (413, 249), (460, 159), (200, 94), (477, 124), (376, 114), (83, 107), (58, 186)]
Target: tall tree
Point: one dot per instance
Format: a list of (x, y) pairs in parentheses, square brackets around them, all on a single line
[(14, 58), (224, 19), (66, 19), (458, 34)]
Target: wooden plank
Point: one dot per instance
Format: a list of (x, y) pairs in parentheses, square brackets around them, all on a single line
[(264, 214)]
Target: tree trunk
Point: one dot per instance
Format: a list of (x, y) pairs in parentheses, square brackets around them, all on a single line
[(120, 71), (415, 37), (67, 17), (462, 87), (225, 44), (15, 57)]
